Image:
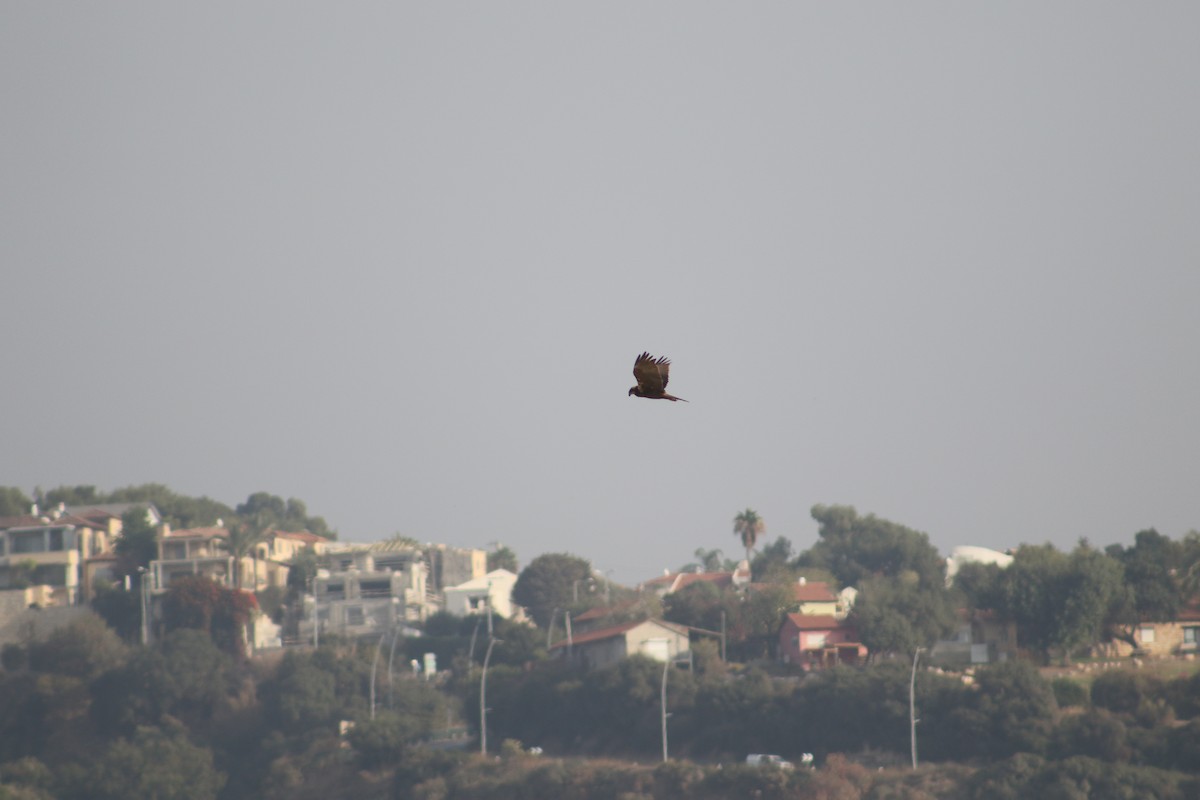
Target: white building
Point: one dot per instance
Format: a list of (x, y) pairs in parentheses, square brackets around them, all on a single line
[(475, 596)]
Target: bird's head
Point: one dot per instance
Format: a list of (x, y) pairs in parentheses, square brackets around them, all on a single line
[(633, 391)]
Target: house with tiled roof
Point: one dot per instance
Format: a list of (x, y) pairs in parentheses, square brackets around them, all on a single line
[(1158, 639), (671, 582), (814, 641), (40, 551), (813, 598), (205, 551), (596, 649), (192, 551)]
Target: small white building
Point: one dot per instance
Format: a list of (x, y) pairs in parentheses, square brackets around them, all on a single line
[(493, 590)]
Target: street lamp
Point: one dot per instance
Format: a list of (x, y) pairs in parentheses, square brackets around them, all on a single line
[(912, 706), (666, 668), (391, 656), (483, 699), (143, 587), (374, 667)]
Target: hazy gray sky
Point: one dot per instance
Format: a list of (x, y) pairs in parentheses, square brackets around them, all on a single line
[(938, 261)]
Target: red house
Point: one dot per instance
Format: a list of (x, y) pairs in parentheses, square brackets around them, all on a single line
[(812, 642)]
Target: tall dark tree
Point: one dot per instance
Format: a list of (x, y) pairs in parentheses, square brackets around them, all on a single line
[(854, 548), (1152, 570), (1062, 601), (137, 545), (771, 563), (550, 581)]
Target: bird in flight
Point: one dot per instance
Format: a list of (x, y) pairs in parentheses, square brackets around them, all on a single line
[(652, 375)]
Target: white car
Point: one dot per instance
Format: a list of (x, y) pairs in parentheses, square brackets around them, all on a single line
[(763, 760)]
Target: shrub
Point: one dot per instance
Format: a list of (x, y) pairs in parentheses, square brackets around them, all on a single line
[(1069, 692)]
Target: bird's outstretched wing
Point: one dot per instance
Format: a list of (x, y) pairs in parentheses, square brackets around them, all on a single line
[(652, 374)]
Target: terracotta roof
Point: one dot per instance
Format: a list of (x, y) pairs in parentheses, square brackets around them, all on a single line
[(300, 536), (682, 579), (617, 630), (814, 622), (198, 533), (814, 592), (602, 611), (43, 522), (21, 521)]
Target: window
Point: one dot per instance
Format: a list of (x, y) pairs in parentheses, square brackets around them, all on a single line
[(174, 551), (375, 588), (816, 640), (28, 542), (1191, 636), (355, 616), (1146, 634), (56, 539)]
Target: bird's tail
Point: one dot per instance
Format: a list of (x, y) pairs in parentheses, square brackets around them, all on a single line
[(672, 397)]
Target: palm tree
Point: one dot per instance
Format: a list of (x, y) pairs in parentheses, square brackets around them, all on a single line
[(749, 526), (242, 541), (710, 560)]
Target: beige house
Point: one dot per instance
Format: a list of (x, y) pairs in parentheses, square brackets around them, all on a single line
[(38, 551), (205, 551), (193, 551), (1160, 639), (657, 639)]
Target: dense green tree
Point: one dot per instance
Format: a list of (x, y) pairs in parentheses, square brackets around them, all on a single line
[(84, 649), (137, 545), (120, 609), (980, 586), (1153, 591), (896, 616), (855, 548), (14, 502), (184, 676), (271, 511), (697, 605), (1095, 733), (502, 558), (1019, 707), (69, 495), (771, 563), (1061, 602), (761, 612), (549, 582), (748, 526), (156, 764)]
